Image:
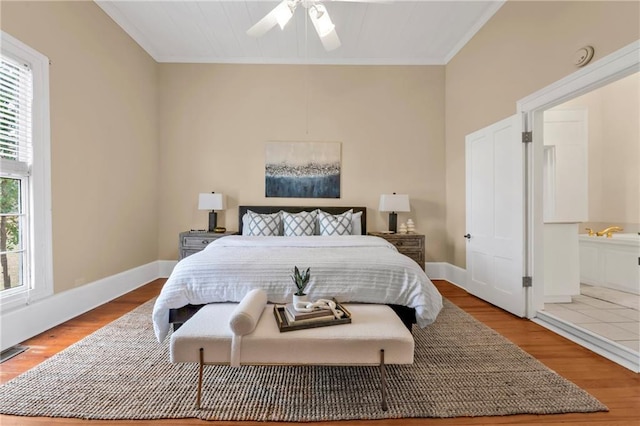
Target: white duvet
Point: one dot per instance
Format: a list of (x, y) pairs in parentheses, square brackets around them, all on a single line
[(353, 268)]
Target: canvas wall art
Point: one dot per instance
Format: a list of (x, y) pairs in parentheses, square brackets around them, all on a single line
[(302, 169)]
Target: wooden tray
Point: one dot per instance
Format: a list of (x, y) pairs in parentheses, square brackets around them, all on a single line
[(284, 325)]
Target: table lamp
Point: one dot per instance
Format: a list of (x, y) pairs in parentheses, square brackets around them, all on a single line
[(212, 202), (394, 203)]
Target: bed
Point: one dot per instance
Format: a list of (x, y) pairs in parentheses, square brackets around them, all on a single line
[(352, 268)]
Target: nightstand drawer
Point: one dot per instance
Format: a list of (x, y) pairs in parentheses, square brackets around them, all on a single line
[(191, 242), (185, 253), (196, 242), (418, 256), (411, 245), (407, 243)]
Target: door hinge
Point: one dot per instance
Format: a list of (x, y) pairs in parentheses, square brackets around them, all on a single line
[(527, 137), (527, 282)]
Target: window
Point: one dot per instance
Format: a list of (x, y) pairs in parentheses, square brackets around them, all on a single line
[(25, 200)]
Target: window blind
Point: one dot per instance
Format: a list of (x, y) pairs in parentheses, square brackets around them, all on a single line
[(16, 99)]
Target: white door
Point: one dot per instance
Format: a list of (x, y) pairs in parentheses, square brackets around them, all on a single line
[(495, 214)]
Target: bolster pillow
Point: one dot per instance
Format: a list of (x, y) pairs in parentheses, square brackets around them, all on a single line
[(245, 316)]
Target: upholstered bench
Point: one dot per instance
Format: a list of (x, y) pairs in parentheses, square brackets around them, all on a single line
[(247, 334)]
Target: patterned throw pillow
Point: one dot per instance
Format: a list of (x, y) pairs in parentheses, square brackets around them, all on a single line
[(298, 224), (261, 224), (335, 224)]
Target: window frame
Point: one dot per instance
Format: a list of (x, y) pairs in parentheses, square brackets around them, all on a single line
[(37, 201)]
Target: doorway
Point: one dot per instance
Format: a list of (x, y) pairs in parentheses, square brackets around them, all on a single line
[(578, 288), (616, 69)]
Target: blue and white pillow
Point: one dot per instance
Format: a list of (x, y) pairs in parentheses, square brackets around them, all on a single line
[(340, 224), (255, 224), (299, 224)]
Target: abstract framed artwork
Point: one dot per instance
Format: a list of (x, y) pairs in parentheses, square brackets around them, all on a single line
[(302, 169)]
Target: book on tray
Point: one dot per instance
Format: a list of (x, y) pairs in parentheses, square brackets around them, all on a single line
[(285, 317), (294, 315)]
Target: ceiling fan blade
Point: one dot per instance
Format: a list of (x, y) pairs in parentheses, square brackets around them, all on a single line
[(269, 21)]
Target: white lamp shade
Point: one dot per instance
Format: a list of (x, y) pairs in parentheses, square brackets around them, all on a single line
[(394, 203), (213, 201)]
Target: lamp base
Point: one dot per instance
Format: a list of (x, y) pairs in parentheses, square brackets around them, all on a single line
[(393, 222), (213, 221)]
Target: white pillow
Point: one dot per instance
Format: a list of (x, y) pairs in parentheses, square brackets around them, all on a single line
[(340, 224), (299, 224), (246, 314), (261, 224), (356, 224)]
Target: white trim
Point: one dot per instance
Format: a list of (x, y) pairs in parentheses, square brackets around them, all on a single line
[(488, 14), (446, 271), (22, 323), (610, 350), (610, 68), (585, 338), (614, 66), (165, 267), (40, 229), (125, 24)]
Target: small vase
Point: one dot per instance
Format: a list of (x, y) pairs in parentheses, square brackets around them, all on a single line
[(300, 299)]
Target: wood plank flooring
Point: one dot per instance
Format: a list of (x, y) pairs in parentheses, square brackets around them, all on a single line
[(615, 386)]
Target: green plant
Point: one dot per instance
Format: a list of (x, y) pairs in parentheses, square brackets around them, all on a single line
[(301, 280)]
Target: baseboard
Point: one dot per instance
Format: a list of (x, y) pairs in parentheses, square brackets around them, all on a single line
[(165, 267), (448, 272), (22, 323), (603, 347)]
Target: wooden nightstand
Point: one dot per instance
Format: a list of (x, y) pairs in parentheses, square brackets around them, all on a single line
[(193, 241), (411, 245)]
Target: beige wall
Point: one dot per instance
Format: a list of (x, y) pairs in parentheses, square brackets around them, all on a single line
[(215, 120), (134, 142), (620, 158), (523, 48), (104, 134)]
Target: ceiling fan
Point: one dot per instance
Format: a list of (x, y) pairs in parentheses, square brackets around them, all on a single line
[(318, 14)]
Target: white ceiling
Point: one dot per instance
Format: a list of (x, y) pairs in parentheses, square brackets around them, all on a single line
[(384, 32)]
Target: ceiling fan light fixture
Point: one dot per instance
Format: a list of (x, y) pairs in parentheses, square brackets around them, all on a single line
[(330, 41), (284, 12), (321, 20)]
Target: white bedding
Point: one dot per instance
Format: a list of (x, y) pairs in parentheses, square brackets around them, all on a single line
[(352, 268)]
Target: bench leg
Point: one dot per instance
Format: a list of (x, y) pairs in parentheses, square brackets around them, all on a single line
[(200, 368), (383, 382)]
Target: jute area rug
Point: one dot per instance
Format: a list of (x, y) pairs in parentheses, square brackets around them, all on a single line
[(462, 368)]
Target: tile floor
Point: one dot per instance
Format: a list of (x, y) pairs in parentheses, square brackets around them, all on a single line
[(612, 314)]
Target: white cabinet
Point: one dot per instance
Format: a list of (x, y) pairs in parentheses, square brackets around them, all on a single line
[(561, 262), (611, 262)]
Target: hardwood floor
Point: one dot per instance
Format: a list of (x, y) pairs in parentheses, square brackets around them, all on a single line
[(615, 386)]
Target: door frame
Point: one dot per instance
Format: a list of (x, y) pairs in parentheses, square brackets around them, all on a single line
[(612, 67)]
